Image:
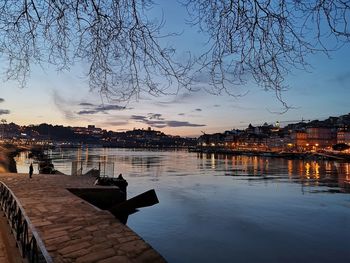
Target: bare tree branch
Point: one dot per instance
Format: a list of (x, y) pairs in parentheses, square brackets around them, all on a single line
[(116, 39), (265, 39), (261, 40)]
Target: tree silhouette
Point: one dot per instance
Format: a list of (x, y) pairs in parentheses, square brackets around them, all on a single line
[(265, 39), (259, 39)]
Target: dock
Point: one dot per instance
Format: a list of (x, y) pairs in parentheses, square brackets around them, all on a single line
[(70, 229)]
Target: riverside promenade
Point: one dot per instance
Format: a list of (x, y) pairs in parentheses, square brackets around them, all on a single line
[(72, 230)]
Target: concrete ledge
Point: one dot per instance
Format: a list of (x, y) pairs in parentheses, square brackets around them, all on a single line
[(72, 230)]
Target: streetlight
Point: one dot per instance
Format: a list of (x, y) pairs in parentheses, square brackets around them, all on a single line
[(316, 145)]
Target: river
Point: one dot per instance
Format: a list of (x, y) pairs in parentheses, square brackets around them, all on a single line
[(230, 208)]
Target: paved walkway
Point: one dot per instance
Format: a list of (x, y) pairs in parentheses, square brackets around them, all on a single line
[(72, 229)]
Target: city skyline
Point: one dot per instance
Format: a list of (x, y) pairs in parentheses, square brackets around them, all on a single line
[(64, 98)]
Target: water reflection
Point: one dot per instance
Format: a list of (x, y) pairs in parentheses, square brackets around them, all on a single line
[(311, 173), (332, 176), (213, 207)]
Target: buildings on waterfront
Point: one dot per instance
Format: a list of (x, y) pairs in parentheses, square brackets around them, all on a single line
[(302, 136), (91, 135)]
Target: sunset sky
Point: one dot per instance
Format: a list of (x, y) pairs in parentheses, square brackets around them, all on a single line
[(64, 98)]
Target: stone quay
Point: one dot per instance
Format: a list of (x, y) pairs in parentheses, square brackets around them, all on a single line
[(71, 229)]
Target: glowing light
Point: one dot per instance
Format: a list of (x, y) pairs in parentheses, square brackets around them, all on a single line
[(307, 172), (290, 168), (317, 170), (212, 161)]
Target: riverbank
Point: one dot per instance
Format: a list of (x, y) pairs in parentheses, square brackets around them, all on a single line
[(281, 154)]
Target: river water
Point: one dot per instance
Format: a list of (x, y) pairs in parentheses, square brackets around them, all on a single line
[(230, 208)]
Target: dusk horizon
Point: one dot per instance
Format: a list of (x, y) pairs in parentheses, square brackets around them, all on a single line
[(64, 97), (146, 127), (174, 131)]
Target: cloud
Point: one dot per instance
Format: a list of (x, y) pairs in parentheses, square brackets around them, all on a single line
[(183, 124), (179, 99), (217, 105), (342, 79), (116, 123), (156, 124), (110, 107), (198, 109), (156, 116), (86, 104), (113, 121), (181, 114), (100, 108), (161, 123), (83, 112), (3, 112), (64, 105), (184, 96), (138, 117), (1, 100), (240, 107)]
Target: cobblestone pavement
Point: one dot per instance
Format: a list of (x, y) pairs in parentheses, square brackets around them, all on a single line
[(72, 229)]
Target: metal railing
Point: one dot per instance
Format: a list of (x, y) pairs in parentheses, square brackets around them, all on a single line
[(27, 238)]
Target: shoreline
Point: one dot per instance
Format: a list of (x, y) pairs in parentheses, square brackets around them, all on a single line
[(9, 151), (286, 155)]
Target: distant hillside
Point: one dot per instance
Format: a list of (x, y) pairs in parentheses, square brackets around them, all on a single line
[(331, 122)]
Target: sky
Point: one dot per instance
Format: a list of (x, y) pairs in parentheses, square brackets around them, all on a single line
[(64, 97)]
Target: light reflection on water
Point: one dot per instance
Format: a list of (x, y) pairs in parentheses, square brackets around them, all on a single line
[(217, 208)]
